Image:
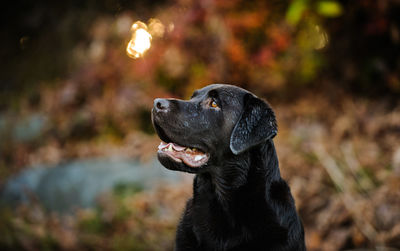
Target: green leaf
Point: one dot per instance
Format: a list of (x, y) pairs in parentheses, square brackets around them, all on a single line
[(295, 11), (329, 8)]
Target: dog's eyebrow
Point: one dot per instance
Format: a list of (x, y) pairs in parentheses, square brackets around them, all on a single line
[(195, 93), (213, 94)]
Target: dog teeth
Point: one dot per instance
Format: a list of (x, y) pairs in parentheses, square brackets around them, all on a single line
[(189, 151), (162, 145), (178, 147)]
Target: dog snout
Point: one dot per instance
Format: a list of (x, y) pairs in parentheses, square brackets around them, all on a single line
[(161, 105)]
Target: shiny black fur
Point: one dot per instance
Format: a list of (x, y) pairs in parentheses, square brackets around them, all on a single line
[(240, 201)]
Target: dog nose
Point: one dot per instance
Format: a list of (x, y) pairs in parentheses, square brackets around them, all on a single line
[(161, 104)]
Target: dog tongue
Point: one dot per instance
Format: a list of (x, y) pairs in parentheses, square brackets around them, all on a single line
[(191, 157), (194, 159)]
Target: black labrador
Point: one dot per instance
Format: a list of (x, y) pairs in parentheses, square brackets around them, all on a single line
[(224, 135)]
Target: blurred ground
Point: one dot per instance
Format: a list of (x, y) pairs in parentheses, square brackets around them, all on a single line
[(330, 69)]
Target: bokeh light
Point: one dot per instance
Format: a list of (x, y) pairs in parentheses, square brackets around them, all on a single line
[(140, 41)]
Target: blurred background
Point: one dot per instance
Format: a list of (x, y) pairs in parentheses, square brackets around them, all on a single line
[(78, 169)]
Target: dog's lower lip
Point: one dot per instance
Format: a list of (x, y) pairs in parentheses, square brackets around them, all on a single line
[(172, 157)]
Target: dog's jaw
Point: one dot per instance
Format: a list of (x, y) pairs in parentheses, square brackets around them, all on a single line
[(192, 157), (175, 165)]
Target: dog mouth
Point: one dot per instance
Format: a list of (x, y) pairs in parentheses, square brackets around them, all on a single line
[(192, 157)]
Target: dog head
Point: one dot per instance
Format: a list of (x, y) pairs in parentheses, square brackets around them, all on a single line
[(217, 121)]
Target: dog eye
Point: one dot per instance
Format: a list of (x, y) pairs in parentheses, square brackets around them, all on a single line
[(214, 104)]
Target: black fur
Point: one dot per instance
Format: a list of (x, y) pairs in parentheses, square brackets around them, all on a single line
[(240, 201)]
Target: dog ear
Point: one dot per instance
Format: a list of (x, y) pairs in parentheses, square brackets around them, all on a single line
[(256, 124)]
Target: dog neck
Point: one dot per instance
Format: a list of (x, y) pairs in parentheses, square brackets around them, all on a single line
[(252, 171)]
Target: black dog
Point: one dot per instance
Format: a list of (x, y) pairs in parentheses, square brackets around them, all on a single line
[(240, 202)]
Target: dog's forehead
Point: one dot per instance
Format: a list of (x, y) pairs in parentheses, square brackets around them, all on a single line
[(223, 90)]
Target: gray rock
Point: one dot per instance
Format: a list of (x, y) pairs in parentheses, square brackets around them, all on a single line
[(79, 183), (30, 128), (23, 129)]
